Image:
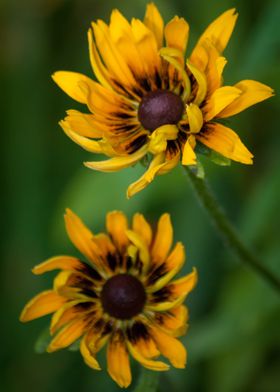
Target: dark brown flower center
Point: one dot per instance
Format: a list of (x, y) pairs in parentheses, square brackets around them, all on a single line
[(159, 108), (123, 296)]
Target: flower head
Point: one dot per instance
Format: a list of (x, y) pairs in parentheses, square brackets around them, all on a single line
[(150, 102), (124, 297)]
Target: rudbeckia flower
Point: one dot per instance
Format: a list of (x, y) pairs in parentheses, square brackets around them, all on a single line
[(148, 101), (123, 296)]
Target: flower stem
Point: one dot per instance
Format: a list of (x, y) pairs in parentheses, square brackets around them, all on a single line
[(148, 381), (226, 230)]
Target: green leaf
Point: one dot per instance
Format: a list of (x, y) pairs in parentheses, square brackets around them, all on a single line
[(43, 341), (214, 156), (219, 159)]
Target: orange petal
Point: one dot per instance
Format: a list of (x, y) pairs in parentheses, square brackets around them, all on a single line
[(170, 347), (68, 335), (117, 225), (163, 239), (44, 303), (118, 360), (57, 262), (142, 228)]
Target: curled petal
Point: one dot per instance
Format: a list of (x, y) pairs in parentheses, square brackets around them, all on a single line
[(137, 186), (195, 118), (201, 82)]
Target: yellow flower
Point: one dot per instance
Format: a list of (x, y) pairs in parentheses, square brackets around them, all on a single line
[(124, 297), (149, 101)]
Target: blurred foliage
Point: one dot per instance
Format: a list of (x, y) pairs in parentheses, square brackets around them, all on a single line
[(233, 340)]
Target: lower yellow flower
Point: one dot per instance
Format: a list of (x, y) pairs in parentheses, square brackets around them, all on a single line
[(124, 298)]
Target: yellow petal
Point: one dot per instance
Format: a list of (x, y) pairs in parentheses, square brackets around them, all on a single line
[(173, 265), (185, 285), (219, 100), (117, 225), (121, 33), (219, 31), (89, 359), (68, 335), (81, 237), (69, 82), (64, 314), (189, 156), (87, 144), (147, 46), (173, 322), (201, 82), (42, 304), (177, 34), (226, 142), (154, 22), (118, 361), (118, 163), (110, 54), (137, 186), (142, 228), (252, 92), (163, 239), (57, 262), (166, 305), (141, 341), (147, 363), (144, 253), (171, 348), (101, 73)]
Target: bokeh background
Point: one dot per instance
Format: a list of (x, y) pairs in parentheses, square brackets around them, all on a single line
[(234, 339)]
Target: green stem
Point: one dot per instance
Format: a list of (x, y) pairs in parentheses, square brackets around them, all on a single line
[(148, 381), (226, 230)]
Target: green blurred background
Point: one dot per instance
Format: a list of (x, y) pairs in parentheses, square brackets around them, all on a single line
[(233, 341)]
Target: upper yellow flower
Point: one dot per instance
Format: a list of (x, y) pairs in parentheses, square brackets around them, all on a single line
[(125, 296), (149, 101)]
